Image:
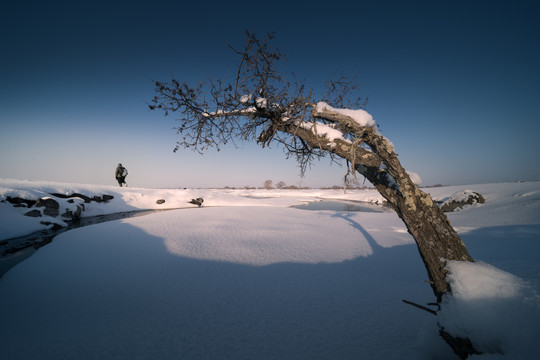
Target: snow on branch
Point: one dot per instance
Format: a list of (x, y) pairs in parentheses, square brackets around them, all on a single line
[(361, 117), (321, 129)]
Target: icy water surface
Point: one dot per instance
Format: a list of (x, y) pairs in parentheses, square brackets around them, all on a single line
[(344, 205)]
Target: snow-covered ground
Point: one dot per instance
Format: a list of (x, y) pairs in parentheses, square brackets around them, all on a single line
[(248, 277)]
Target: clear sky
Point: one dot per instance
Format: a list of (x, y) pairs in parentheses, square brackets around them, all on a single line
[(455, 85)]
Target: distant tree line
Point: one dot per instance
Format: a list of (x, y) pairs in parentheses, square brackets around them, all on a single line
[(281, 185)]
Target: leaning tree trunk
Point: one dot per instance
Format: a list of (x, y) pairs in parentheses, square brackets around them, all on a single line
[(436, 239)]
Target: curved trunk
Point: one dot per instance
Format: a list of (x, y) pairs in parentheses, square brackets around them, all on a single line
[(436, 239)]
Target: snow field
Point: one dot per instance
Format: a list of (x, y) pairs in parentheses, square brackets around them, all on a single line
[(249, 277)]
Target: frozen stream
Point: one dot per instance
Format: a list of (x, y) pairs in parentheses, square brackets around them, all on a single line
[(15, 250), (344, 205)]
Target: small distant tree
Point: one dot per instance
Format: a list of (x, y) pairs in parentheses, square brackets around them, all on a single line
[(261, 103), (281, 185), (268, 184)]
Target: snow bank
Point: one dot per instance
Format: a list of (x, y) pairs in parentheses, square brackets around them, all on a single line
[(13, 222), (496, 310), (505, 204)]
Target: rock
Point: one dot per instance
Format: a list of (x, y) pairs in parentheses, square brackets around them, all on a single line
[(51, 206), (33, 213), (74, 214), (74, 211), (103, 198), (20, 202), (84, 197), (74, 195), (462, 199), (197, 201), (87, 199), (160, 201)]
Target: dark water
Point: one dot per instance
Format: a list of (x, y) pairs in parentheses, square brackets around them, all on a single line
[(15, 250), (344, 205)]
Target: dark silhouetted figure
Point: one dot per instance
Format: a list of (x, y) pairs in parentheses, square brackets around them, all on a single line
[(120, 174)]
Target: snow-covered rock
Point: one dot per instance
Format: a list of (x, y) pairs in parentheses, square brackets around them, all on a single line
[(461, 199)]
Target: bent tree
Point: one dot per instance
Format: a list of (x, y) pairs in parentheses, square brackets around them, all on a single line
[(260, 103)]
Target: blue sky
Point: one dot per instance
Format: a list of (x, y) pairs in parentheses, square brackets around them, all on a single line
[(454, 85)]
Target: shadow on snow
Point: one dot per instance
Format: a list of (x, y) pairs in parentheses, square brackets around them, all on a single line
[(123, 295)]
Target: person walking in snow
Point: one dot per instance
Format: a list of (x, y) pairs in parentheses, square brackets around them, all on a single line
[(120, 174)]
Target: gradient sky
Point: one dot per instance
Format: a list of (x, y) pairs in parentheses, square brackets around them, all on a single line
[(455, 85)]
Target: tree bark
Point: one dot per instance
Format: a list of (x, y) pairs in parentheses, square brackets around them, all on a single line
[(436, 239)]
